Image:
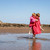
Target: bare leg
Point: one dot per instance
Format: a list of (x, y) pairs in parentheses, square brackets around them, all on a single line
[(34, 35)]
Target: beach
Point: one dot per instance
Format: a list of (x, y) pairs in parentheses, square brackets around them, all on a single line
[(24, 42), (20, 30), (24, 24), (17, 38)]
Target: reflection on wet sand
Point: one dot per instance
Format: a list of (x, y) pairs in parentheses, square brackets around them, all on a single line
[(24, 42), (35, 45)]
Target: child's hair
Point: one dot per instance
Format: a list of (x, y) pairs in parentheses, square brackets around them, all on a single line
[(38, 14), (33, 14)]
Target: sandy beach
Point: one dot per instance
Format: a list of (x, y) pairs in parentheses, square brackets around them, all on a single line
[(16, 37), (20, 30)]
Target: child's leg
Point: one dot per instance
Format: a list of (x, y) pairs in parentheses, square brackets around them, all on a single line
[(29, 30), (34, 35), (33, 32)]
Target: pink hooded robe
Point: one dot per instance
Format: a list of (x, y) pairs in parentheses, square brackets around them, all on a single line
[(35, 25)]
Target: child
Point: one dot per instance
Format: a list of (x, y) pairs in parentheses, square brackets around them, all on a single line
[(35, 24), (32, 20), (37, 17), (37, 28)]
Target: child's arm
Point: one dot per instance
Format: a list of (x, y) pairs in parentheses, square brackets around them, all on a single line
[(32, 19)]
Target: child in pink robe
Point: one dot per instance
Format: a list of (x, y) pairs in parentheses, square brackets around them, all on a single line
[(36, 28), (35, 25), (32, 21)]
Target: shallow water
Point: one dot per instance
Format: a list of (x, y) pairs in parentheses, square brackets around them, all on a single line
[(24, 42)]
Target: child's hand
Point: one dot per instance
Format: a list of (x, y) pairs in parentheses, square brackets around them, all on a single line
[(36, 19), (42, 29)]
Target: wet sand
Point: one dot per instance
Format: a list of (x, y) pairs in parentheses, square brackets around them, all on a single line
[(24, 42), (20, 30)]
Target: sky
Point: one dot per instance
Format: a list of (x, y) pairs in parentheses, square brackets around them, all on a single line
[(19, 11)]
